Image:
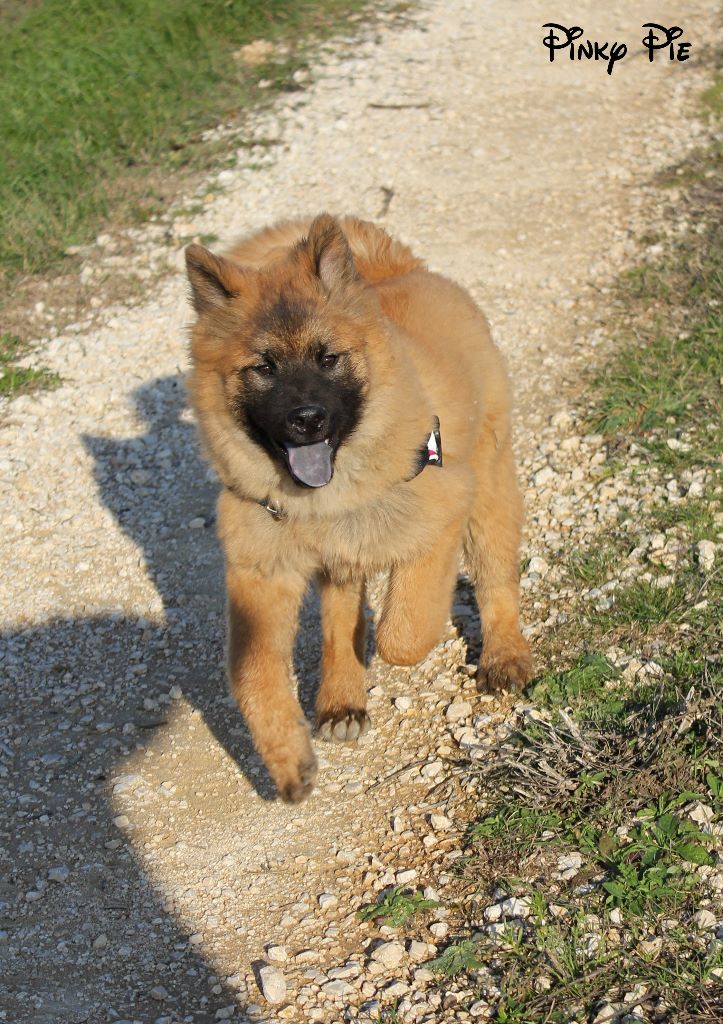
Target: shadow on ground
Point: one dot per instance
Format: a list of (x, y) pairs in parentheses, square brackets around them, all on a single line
[(78, 697), (80, 700)]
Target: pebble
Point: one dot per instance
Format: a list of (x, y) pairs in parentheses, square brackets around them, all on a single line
[(327, 900), (704, 920), (458, 710), (706, 550), (338, 989), (59, 874), (159, 993), (402, 703), (389, 954), (272, 984), (277, 954), (406, 876)]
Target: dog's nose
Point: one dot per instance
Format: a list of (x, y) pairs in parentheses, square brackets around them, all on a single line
[(308, 423)]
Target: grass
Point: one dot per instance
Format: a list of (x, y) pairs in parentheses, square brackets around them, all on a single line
[(14, 379), (97, 96), (618, 772)]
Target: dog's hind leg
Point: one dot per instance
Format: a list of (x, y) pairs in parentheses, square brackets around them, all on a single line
[(418, 599), (341, 701), (263, 614), (492, 552)]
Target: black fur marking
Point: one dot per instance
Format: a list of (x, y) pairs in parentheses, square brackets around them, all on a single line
[(284, 318), (262, 409)]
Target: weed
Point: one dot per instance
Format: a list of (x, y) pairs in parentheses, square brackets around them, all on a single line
[(396, 907), (457, 957), (14, 379)]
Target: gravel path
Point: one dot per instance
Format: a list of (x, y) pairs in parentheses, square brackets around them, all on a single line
[(145, 866)]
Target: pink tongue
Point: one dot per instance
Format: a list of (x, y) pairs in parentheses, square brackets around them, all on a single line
[(310, 464)]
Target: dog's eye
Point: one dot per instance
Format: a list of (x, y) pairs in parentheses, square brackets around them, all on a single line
[(328, 360), (264, 370)]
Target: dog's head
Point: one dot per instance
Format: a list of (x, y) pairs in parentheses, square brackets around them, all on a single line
[(289, 341)]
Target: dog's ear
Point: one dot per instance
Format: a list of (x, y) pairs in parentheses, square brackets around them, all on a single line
[(331, 258), (214, 280)]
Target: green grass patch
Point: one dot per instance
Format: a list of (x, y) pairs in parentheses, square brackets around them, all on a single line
[(95, 96), (14, 379)]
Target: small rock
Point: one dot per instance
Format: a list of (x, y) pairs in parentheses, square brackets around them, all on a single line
[(706, 554), (159, 992), (255, 53), (225, 1013), (439, 929), (59, 874), (458, 710), (403, 703), (704, 920), (272, 984), (327, 900), (390, 954), (126, 783), (101, 942), (651, 947), (121, 821), (538, 565), (338, 989), (514, 907), (404, 877), (197, 523), (561, 419), (277, 954), (175, 693), (544, 476), (439, 822)]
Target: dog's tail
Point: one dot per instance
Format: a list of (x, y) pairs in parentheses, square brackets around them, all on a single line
[(377, 256)]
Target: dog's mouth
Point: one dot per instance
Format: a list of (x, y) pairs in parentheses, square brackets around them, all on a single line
[(311, 465)]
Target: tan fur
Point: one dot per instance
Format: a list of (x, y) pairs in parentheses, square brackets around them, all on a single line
[(423, 348)]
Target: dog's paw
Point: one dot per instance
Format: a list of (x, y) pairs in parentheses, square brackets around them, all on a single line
[(298, 780), (505, 666), (344, 725)]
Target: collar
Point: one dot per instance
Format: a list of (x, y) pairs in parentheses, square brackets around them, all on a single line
[(429, 454)]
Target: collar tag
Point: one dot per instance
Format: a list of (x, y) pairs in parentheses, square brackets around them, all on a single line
[(276, 513), (434, 445)]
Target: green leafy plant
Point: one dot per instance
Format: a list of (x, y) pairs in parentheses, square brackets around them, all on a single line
[(396, 907), (460, 956), (588, 677)]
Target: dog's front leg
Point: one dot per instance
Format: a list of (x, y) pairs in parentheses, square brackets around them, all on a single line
[(418, 599), (263, 614), (342, 698)]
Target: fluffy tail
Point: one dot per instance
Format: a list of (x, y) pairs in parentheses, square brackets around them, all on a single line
[(377, 256)]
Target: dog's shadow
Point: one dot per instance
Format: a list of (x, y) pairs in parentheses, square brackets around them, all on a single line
[(163, 496)]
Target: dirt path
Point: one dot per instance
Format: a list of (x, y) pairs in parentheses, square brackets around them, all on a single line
[(145, 867)]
